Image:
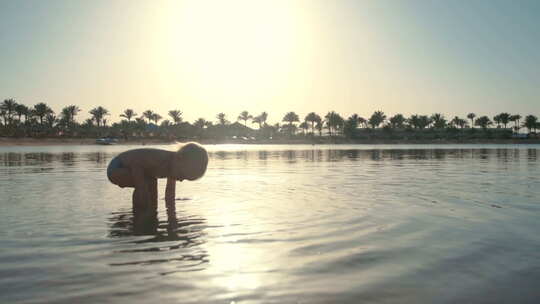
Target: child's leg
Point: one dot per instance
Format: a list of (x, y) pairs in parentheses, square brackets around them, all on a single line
[(150, 206), (145, 220), (138, 203), (152, 189)]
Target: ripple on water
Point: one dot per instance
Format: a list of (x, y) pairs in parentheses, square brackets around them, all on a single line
[(277, 224)]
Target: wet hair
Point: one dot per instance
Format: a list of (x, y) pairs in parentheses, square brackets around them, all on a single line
[(195, 154)]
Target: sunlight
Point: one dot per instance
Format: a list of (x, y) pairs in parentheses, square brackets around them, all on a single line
[(235, 49)]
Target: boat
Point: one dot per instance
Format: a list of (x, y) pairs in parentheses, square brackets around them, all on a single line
[(106, 141)]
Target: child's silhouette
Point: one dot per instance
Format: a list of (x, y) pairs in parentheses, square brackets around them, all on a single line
[(140, 169)]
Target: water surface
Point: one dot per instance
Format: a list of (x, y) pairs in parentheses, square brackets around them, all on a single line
[(277, 224)]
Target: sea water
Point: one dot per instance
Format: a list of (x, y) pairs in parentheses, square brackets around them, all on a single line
[(277, 224)]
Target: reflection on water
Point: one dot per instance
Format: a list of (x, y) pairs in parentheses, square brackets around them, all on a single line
[(67, 159), (277, 224), (185, 232)]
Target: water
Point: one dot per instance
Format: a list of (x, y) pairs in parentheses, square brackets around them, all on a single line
[(277, 224)]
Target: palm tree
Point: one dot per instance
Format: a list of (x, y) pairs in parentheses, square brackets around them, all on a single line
[(3, 114), (471, 116), (456, 121), (68, 114), (176, 116), (200, 123), (9, 107), (41, 110), (483, 122), (148, 114), (531, 122), (362, 121), (304, 126), (397, 121), (414, 121), (515, 119), (497, 120), (222, 119), (257, 120), (376, 119), (165, 124), (290, 118), (439, 122), (51, 120), (334, 121), (350, 126), (319, 127), (263, 117), (21, 110), (156, 117), (505, 118), (312, 118), (98, 114), (245, 117), (128, 114)]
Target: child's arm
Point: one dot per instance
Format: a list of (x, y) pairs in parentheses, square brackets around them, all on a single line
[(169, 200)]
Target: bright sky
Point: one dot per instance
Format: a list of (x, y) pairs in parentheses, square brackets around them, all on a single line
[(206, 57)]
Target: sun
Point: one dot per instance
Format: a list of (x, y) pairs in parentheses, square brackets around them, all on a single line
[(233, 51)]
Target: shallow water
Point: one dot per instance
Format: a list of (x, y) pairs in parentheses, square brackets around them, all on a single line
[(278, 224)]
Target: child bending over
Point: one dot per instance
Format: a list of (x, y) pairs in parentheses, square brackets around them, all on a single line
[(140, 169)]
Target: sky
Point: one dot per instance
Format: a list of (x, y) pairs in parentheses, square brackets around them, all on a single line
[(205, 57)]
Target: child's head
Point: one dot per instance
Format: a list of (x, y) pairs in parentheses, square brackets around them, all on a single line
[(191, 162)]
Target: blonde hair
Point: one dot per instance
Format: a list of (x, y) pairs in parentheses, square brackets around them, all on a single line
[(195, 154)]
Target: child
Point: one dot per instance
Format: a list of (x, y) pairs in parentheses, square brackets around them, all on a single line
[(140, 169)]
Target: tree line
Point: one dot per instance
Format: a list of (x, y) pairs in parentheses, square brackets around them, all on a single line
[(40, 120)]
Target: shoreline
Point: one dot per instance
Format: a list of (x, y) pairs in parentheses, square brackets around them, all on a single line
[(9, 141)]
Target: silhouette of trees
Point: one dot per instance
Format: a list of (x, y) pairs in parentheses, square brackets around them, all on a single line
[(98, 115), (41, 110), (471, 116), (397, 121), (222, 119), (245, 117), (419, 121), (156, 118), (176, 116), (497, 120), (515, 119), (128, 114), (334, 122), (424, 121), (260, 119), (483, 122), (200, 123), (148, 114), (350, 126), (531, 123), (304, 126), (504, 118), (68, 114), (312, 118), (16, 119), (439, 122), (290, 117), (21, 110), (8, 106), (376, 119), (363, 122), (458, 122)]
